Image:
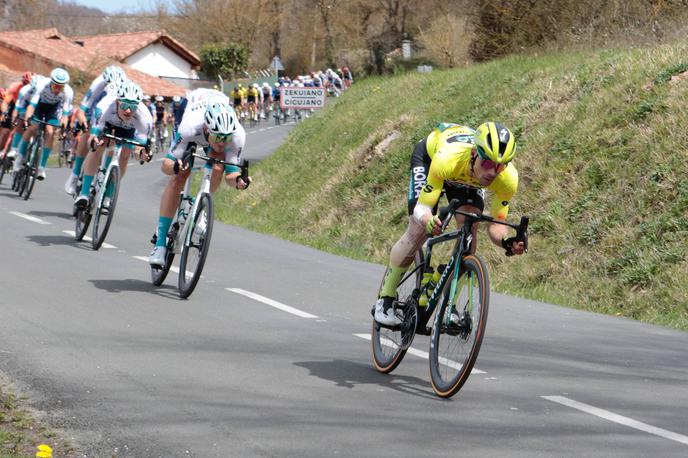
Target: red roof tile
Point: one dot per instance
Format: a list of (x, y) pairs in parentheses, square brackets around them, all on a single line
[(119, 46), (54, 49)]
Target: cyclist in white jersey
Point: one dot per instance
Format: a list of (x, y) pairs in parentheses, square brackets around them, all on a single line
[(123, 116), (105, 84), (209, 122), (52, 103), (25, 94)]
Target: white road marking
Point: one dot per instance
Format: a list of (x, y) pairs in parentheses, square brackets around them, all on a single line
[(30, 218), (611, 416), (271, 303), (88, 239), (172, 269), (422, 354)]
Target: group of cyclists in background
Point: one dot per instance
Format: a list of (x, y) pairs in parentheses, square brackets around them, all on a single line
[(255, 102), (115, 109)]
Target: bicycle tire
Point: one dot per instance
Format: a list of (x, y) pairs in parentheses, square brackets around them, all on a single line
[(389, 345), (159, 274), (454, 350), (32, 172), (103, 217), (4, 167), (83, 219), (188, 279), (16, 177)]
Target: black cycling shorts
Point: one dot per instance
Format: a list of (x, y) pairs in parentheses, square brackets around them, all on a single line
[(420, 165), (237, 102), (251, 99)]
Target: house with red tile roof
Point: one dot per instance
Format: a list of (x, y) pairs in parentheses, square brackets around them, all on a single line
[(42, 50), (155, 53)]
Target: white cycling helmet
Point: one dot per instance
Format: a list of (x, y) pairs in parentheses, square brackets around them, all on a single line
[(113, 74), (129, 91), (59, 76), (158, 98), (176, 99), (220, 119)]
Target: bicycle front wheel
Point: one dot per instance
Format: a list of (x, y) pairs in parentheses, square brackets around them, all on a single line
[(105, 208), (196, 246), (159, 273), (4, 167), (32, 171), (389, 344), (459, 327)]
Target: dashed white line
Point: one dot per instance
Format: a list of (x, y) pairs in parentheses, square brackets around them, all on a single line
[(30, 218), (422, 354), (272, 303), (88, 239), (611, 416)]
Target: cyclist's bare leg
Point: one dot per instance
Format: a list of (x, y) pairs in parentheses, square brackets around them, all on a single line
[(404, 251), (170, 196)]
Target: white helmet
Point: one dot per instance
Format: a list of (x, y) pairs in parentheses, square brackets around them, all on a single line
[(158, 98), (113, 74), (176, 99), (130, 91), (59, 76), (220, 119)]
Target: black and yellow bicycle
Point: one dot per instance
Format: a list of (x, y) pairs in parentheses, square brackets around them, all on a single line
[(461, 296)]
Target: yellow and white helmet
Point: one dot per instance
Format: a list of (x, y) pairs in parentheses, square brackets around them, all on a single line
[(495, 142)]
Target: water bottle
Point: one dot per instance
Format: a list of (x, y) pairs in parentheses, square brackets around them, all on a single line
[(184, 210), (427, 284)]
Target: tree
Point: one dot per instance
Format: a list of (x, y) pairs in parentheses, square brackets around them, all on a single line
[(226, 60)]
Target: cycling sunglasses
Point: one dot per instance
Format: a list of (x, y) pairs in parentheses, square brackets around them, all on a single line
[(487, 163), (219, 138), (125, 105)]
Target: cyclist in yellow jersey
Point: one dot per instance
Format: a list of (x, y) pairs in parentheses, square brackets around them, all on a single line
[(463, 162)]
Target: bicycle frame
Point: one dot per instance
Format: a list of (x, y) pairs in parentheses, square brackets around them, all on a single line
[(463, 246)]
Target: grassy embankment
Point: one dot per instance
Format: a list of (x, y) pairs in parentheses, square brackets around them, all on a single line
[(602, 160)]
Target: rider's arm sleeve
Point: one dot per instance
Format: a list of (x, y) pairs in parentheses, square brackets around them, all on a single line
[(504, 187)]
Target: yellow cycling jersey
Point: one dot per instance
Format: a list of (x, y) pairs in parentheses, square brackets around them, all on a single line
[(236, 95), (449, 147), (253, 92)]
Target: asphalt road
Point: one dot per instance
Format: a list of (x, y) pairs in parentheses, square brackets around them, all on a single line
[(128, 369)]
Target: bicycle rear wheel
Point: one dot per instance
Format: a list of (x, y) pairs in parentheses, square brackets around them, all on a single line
[(105, 207), (32, 171), (196, 246), (454, 347), (389, 345)]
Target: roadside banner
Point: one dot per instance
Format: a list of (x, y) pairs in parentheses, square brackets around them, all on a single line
[(302, 98)]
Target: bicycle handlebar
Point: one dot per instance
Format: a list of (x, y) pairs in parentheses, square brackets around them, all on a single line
[(191, 153), (120, 140), (521, 228)]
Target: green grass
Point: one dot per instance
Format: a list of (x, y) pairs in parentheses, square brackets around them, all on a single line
[(602, 161), (21, 433)]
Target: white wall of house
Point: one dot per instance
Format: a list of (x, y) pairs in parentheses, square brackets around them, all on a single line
[(159, 60)]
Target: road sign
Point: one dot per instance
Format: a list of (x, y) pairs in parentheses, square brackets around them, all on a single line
[(277, 64), (302, 98)]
